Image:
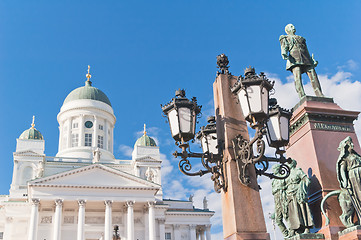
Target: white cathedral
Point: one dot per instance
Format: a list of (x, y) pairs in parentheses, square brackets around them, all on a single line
[(84, 192)]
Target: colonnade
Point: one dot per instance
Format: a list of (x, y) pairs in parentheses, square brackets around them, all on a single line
[(108, 230)]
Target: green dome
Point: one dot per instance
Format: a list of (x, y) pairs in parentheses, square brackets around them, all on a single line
[(87, 92), (145, 141), (31, 133)]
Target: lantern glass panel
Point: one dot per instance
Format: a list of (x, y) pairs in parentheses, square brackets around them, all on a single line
[(209, 143), (274, 128), (242, 96), (212, 143), (264, 93), (255, 98), (185, 120), (284, 127), (173, 122)]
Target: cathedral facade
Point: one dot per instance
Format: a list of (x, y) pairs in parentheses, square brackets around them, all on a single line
[(84, 192)]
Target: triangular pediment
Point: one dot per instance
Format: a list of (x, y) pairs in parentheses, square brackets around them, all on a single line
[(95, 176), (147, 159), (28, 153)]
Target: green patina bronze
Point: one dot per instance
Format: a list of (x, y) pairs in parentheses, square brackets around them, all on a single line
[(87, 92), (291, 204), (294, 50), (348, 170), (31, 133), (280, 198)]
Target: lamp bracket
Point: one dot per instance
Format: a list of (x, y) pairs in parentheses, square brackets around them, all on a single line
[(246, 158), (212, 163)]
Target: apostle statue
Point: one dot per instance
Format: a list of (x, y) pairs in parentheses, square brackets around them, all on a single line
[(294, 50), (349, 172), (280, 198)]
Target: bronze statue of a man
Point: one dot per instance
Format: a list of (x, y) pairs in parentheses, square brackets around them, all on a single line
[(294, 50)]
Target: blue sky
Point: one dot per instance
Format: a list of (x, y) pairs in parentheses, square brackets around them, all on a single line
[(140, 52)]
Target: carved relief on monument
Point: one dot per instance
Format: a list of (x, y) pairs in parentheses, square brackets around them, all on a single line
[(46, 219)]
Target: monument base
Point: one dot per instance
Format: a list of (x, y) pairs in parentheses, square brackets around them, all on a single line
[(331, 232), (307, 236), (248, 236), (352, 233)]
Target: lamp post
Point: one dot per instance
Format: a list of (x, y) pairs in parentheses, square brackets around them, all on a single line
[(227, 151)]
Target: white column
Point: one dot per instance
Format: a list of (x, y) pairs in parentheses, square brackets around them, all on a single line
[(81, 220), (130, 221), (95, 132), (61, 133), (151, 221), (34, 218), (208, 232), (192, 232), (106, 134), (202, 234), (108, 220), (57, 219), (161, 229), (68, 132), (81, 130), (177, 235)]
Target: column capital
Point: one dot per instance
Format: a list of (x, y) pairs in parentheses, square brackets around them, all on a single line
[(35, 201), (81, 202), (161, 220), (208, 226), (151, 203), (58, 202), (176, 226), (192, 226), (108, 203), (130, 203)]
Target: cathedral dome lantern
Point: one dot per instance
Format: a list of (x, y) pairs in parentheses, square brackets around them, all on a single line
[(32, 133), (86, 122)]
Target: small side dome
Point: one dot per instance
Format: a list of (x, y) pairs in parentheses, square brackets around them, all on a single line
[(32, 133), (145, 140)]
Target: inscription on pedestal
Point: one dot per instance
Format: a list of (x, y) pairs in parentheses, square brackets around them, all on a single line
[(332, 127)]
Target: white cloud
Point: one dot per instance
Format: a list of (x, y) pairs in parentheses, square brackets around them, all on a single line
[(125, 150)]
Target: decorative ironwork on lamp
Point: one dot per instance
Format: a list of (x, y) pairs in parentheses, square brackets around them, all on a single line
[(182, 115), (267, 119), (263, 114)]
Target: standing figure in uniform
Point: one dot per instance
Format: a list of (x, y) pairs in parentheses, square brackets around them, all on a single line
[(294, 50)]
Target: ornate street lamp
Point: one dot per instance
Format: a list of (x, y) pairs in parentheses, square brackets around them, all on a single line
[(267, 119), (182, 117), (253, 94)]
